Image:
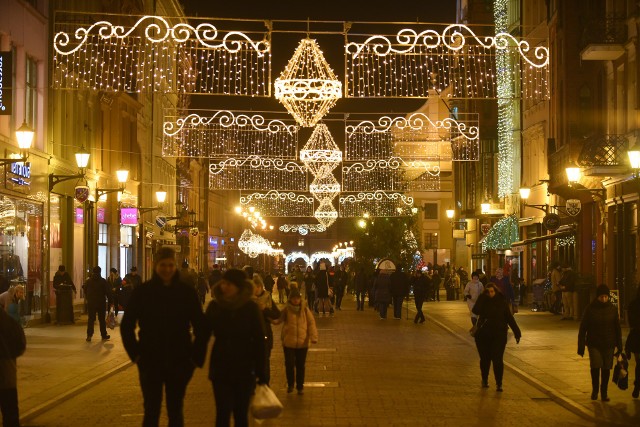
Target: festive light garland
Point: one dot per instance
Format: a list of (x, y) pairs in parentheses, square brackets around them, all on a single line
[(503, 233), (156, 55), (279, 204), (307, 87), (255, 174), (229, 134), (565, 241), (417, 62), (302, 229), (326, 214), (321, 154), (506, 104), (375, 204), (254, 244), (324, 188)]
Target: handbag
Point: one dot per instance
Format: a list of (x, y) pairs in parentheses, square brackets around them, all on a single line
[(111, 320), (265, 403), (621, 372), (475, 328)]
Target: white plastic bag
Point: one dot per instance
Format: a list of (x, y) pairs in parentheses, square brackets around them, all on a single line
[(265, 403)]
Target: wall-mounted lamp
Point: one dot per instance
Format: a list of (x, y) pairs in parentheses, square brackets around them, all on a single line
[(82, 160), (24, 135), (122, 175), (485, 207), (525, 192)]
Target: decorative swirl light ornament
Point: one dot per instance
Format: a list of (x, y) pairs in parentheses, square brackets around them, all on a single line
[(302, 229), (255, 162), (158, 30), (227, 119), (308, 87), (415, 122)]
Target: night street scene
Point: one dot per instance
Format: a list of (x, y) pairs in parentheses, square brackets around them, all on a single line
[(336, 213)]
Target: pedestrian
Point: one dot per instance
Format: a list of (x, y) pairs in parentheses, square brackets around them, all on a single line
[(188, 276), (62, 278), (132, 279), (494, 316), (568, 287), (360, 282), (12, 344), (115, 285), (600, 333), (435, 285), (309, 286), (98, 295), (282, 286), (165, 310), (268, 282), (420, 289), (239, 349), (633, 339), (324, 288), (556, 276), (381, 292), (203, 287), (471, 292), (399, 289), (340, 286), (298, 330), (270, 312), (10, 302), (215, 276)]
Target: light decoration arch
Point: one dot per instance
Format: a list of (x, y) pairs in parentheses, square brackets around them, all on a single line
[(291, 257), (317, 256)]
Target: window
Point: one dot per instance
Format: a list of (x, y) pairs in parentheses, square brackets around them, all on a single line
[(102, 234), (431, 240), (431, 211), (31, 93)]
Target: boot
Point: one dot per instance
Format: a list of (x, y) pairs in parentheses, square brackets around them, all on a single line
[(604, 384), (636, 384), (595, 383)]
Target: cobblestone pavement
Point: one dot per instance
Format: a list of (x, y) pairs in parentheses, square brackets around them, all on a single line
[(363, 372)]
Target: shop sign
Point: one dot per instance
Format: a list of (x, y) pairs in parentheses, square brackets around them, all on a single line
[(458, 234), (479, 256), (81, 193), (20, 174), (517, 248), (101, 215), (161, 221), (194, 231), (573, 207), (551, 221), (484, 228), (213, 241), (129, 216), (6, 90), (79, 217)]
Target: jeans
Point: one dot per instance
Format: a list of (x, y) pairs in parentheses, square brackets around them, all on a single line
[(419, 315), (100, 313), (382, 308), (233, 396), (174, 379), (491, 350), (9, 407), (397, 306), (294, 361), (360, 300)]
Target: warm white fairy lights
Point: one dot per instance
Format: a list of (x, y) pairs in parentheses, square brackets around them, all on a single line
[(375, 204), (320, 154), (279, 204), (254, 244), (418, 61), (390, 175), (156, 54), (255, 173), (222, 134), (302, 229), (326, 214), (308, 87)]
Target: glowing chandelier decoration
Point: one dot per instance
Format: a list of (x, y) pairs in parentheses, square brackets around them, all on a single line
[(321, 154), (325, 187), (254, 244), (308, 87), (326, 214)]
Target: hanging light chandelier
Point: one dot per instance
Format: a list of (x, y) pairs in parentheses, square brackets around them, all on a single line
[(308, 87), (321, 154), (326, 214), (325, 187)]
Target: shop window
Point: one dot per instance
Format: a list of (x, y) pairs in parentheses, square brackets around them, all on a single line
[(103, 233), (430, 240), (431, 211)]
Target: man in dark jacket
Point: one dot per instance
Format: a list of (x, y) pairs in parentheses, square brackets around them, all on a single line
[(12, 345), (399, 288), (132, 279), (215, 276), (165, 309), (62, 278), (382, 295), (97, 293), (420, 289)]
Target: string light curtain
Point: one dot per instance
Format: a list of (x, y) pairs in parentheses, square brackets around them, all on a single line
[(279, 204), (375, 204), (161, 54)]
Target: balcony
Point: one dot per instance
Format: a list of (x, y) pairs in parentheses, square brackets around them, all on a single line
[(604, 155), (603, 39)]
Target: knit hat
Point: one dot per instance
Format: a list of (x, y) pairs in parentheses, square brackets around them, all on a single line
[(294, 293), (163, 253), (602, 290), (235, 276)]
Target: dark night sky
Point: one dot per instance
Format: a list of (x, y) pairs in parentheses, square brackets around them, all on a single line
[(283, 45)]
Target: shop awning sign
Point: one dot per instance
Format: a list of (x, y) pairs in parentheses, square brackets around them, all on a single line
[(161, 221), (573, 207)]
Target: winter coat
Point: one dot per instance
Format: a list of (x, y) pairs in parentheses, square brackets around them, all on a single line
[(600, 327), (505, 287), (556, 276), (60, 279), (323, 283), (472, 291), (420, 287), (299, 327), (270, 312), (399, 284), (494, 317), (97, 291), (568, 281), (360, 281), (309, 282), (215, 277), (382, 294), (165, 315), (239, 348), (12, 345)]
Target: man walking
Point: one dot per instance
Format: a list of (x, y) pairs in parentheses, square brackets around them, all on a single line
[(165, 309), (399, 288), (115, 285), (12, 345), (97, 292), (132, 279)]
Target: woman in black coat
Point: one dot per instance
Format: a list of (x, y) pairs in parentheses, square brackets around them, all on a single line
[(600, 332), (494, 318), (633, 340), (239, 351), (420, 288)]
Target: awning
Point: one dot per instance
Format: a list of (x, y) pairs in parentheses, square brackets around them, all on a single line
[(563, 233), (502, 234)]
